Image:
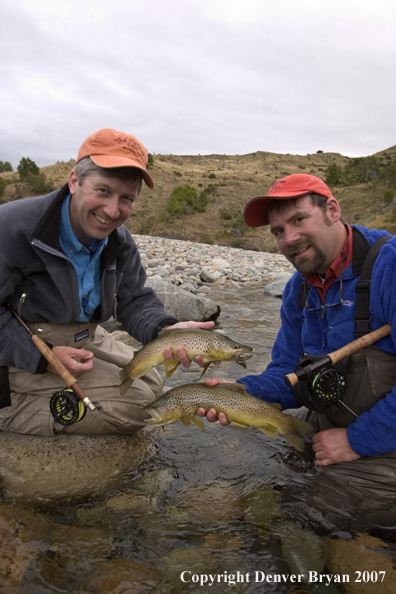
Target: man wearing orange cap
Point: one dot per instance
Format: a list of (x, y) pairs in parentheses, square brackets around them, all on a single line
[(67, 264), (338, 293)]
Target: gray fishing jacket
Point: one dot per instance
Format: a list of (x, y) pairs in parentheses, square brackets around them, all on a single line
[(39, 281)]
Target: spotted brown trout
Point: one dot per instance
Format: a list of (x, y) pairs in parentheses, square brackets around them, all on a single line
[(242, 409), (209, 344)]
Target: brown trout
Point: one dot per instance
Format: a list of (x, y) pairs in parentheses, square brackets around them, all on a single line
[(242, 409), (211, 345)]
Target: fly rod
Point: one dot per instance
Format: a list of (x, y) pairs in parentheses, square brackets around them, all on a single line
[(349, 349), (56, 363)]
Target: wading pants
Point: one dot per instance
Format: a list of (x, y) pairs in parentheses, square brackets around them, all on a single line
[(375, 475), (30, 394)]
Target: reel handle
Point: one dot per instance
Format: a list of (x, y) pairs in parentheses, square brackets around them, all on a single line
[(349, 349)]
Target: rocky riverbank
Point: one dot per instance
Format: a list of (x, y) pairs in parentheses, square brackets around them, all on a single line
[(195, 266)]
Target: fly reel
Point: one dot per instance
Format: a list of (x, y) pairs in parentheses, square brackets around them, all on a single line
[(319, 385), (66, 407), (327, 385)]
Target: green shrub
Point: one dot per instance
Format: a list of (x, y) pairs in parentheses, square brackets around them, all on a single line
[(185, 200), (393, 215), (27, 166), (389, 195), (210, 189), (212, 176), (5, 166), (333, 174), (3, 184), (38, 183), (225, 214)]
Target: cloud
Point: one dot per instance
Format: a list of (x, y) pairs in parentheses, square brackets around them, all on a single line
[(197, 77)]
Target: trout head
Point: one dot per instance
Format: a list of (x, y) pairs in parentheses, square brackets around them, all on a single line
[(225, 349), (163, 411)]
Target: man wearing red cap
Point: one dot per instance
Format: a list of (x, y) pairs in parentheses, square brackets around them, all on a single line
[(322, 312), (67, 264)]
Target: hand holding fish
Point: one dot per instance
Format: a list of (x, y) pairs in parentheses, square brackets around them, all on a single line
[(181, 353), (232, 399), (211, 414), (178, 343)]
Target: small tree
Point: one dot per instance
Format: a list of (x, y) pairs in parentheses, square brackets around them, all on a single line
[(333, 174), (5, 166), (27, 166), (150, 160)]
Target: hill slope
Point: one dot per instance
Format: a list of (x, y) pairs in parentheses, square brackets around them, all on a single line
[(230, 182)]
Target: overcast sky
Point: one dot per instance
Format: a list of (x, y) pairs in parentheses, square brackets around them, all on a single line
[(197, 76)]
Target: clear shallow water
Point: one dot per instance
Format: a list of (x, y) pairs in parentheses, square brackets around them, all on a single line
[(216, 503)]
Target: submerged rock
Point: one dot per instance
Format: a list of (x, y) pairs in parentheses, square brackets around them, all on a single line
[(24, 535), (212, 502), (71, 466)]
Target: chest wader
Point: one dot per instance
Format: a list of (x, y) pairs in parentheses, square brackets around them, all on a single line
[(369, 374)]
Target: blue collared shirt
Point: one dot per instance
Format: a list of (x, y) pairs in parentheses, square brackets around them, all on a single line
[(86, 261)]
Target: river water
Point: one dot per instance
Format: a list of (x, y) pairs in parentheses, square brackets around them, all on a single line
[(228, 505)]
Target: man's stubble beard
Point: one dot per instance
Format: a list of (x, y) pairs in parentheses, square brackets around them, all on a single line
[(310, 265)]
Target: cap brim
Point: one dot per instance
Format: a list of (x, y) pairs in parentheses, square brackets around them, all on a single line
[(255, 213), (115, 161)]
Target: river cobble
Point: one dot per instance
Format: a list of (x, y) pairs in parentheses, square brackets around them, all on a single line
[(196, 266)]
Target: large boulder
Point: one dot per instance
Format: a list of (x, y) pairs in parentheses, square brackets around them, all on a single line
[(276, 288), (183, 304), (46, 468)]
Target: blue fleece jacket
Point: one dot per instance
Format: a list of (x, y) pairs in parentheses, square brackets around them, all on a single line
[(374, 432)]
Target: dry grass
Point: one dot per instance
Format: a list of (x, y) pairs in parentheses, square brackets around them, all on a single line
[(234, 180)]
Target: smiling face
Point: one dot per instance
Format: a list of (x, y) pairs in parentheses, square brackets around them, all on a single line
[(100, 204), (309, 237)]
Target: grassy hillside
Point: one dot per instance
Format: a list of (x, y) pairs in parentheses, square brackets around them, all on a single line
[(229, 182)]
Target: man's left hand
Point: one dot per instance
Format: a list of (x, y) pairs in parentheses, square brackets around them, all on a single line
[(184, 360), (332, 446)]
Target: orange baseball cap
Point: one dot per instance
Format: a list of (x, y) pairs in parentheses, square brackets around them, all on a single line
[(292, 186), (111, 148)]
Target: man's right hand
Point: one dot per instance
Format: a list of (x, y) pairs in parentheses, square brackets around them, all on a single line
[(211, 414), (76, 361)]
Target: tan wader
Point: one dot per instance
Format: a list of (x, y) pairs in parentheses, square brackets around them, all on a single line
[(30, 394), (371, 374)]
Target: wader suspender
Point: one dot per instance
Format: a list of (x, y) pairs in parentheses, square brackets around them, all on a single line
[(364, 257)]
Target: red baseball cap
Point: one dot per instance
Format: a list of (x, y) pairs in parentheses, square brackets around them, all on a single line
[(110, 148), (292, 186)]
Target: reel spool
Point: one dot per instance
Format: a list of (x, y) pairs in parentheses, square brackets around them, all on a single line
[(66, 407), (327, 385)]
